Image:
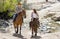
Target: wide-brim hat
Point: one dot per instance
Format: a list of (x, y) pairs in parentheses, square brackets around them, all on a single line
[(19, 3)]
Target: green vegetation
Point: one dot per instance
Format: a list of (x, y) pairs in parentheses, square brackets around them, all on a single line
[(7, 5)]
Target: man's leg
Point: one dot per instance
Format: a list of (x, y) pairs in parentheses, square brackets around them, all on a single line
[(14, 17)]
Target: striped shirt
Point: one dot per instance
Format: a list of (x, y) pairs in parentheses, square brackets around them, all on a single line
[(18, 9)]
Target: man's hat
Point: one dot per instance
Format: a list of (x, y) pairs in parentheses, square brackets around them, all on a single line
[(19, 3)]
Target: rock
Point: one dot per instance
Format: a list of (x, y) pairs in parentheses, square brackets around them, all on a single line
[(3, 24), (49, 15), (56, 18)]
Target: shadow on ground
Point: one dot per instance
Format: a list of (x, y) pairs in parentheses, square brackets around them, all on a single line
[(35, 37), (19, 36)]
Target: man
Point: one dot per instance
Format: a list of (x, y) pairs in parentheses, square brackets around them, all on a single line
[(17, 10)]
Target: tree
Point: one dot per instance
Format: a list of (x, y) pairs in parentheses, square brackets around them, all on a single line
[(7, 4)]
